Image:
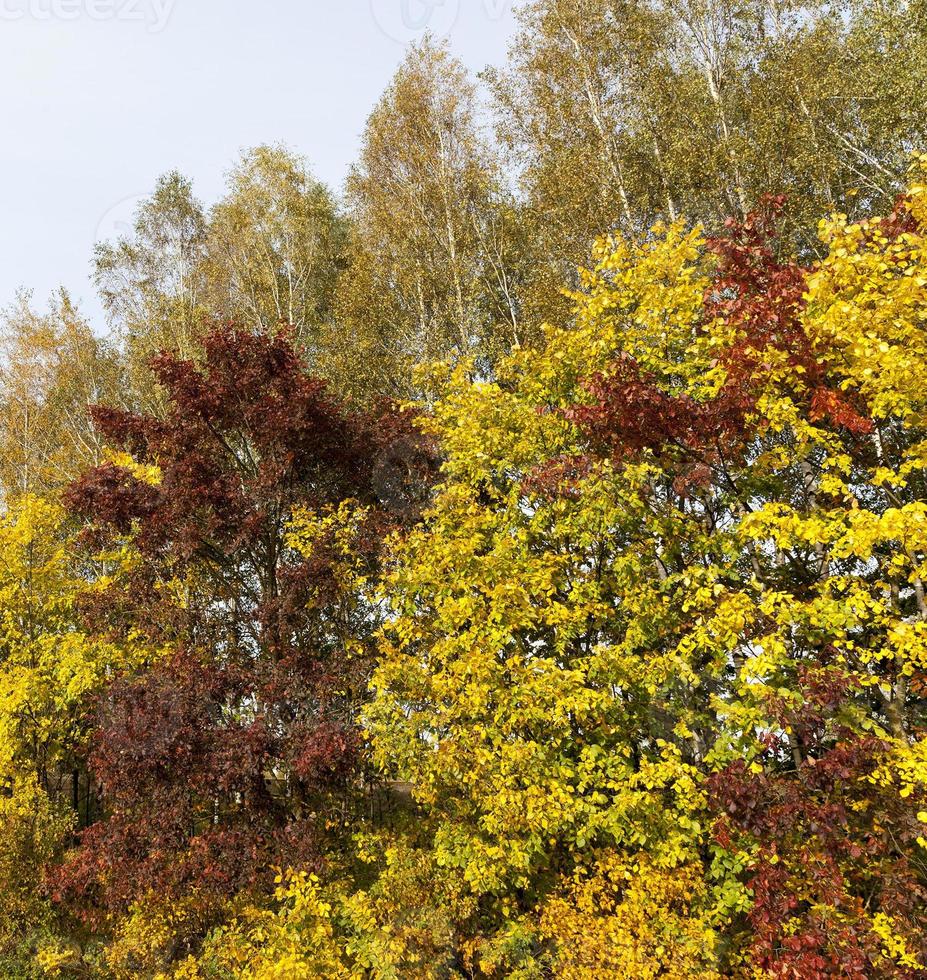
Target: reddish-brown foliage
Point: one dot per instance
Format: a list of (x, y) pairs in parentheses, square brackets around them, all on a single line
[(833, 847), (240, 749), (760, 296)]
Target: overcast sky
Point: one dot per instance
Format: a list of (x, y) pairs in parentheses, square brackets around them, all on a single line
[(102, 96)]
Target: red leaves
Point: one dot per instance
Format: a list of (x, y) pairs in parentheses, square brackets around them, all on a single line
[(327, 752), (829, 841), (752, 288), (177, 769), (210, 761), (762, 297), (122, 428), (245, 433), (828, 403), (823, 847), (901, 221), (631, 413), (561, 476), (115, 492)]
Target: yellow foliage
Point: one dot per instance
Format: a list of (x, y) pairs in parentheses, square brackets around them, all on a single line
[(295, 940), (147, 938), (579, 640), (867, 304), (624, 918), (50, 667), (32, 832)]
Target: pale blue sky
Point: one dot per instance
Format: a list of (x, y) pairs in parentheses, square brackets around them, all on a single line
[(102, 96)]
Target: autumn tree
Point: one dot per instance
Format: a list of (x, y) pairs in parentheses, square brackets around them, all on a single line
[(275, 246), (433, 267), (617, 114), (253, 507), (664, 618), (51, 669), (609, 659), (266, 255), (150, 280), (52, 369)]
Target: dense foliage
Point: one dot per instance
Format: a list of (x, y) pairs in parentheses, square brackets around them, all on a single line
[(666, 617), (355, 622), (255, 527)]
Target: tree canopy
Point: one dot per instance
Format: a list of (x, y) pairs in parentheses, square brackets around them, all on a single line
[(513, 567)]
